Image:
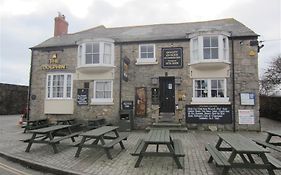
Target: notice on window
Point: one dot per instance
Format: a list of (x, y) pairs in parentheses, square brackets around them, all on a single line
[(247, 98), (246, 117), (82, 97)]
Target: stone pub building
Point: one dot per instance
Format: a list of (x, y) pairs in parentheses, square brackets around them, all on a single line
[(203, 75)]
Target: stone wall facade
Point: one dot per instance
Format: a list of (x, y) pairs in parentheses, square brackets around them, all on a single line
[(245, 80), (13, 99)]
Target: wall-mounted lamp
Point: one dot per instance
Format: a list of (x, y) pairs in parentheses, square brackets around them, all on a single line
[(154, 80), (178, 80)]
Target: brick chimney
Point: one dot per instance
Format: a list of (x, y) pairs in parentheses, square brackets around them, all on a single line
[(61, 25)]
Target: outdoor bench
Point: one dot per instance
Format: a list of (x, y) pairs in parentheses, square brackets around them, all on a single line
[(72, 135), (269, 145), (274, 162), (138, 148), (117, 140), (219, 159)]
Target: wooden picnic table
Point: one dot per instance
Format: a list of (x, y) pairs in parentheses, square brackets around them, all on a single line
[(100, 134), (65, 121), (36, 124), (269, 142), (47, 136), (245, 148), (159, 137)]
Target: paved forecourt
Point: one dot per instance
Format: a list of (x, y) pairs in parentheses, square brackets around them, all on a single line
[(95, 161)]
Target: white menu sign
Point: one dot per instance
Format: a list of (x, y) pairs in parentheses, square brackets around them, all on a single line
[(247, 98), (246, 117)]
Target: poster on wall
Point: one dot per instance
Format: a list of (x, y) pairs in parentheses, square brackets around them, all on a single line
[(82, 97), (247, 98), (246, 117), (220, 114), (141, 101)]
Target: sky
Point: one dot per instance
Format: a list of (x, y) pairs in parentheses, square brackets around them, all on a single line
[(26, 23)]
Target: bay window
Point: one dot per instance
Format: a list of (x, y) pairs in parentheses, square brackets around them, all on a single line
[(59, 86), (96, 53), (207, 48)]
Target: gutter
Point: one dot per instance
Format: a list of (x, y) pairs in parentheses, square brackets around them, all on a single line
[(233, 85), (121, 76)]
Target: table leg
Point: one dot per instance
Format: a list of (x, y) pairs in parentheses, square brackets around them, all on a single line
[(105, 149), (141, 155), (265, 161), (30, 142), (70, 132), (176, 159), (80, 146), (268, 137), (157, 147), (53, 144), (230, 160), (117, 135), (251, 158)]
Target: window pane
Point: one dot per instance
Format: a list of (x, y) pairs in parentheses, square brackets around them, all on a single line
[(150, 55), (106, 59), (206, 42), (214, 93), (89, 48), (195, 44), (214, 41), (144, 55), (96, 48), (88, 59), (143, 48), (215, 53), (214, 84), (96, 58), (220, 93), (220, 83), (207, 53), (150, 49)]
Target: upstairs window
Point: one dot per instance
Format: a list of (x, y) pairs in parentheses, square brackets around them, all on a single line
[(96, 53), (209, 48), (146, 54)]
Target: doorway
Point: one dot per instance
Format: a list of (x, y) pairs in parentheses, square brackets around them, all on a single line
[(167, 95)]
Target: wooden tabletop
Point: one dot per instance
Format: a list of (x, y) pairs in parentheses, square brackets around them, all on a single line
[(241, 144), (49, 129), (99, 131), (274, 132), (160, 136)]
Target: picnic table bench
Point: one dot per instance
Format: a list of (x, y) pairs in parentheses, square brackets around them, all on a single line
[(159, 137), (246, 149), (36, 124), (48, 136), (65, 121), (100, 134), (268, 141)]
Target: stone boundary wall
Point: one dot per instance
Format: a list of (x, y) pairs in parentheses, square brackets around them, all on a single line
[(13, 98)]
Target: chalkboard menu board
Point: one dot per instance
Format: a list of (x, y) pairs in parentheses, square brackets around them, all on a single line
[(172, 57), (220, 114), (82, 97)]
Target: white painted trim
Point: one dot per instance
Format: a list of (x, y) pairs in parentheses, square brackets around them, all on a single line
[(143, 61)]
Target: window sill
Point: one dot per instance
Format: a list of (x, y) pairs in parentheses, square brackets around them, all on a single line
[(210, 64), (102, 102), (150, 61), (210, 101)]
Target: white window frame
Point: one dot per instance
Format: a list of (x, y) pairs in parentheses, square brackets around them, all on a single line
[(209, 99), (102, 101), (223, 52), (152, 60), (81, 56), (64, 86)]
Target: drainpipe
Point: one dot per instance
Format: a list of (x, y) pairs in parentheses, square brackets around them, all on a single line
[(29, 89), (121, 76), (233, 85)]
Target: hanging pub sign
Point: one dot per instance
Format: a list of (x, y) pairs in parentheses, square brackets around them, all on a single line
[(172, 57), (82, 97), (126, 62), (219, 114), (53, 64), (140, 101)]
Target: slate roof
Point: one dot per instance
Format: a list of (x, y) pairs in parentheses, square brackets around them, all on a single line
[(150, 32)]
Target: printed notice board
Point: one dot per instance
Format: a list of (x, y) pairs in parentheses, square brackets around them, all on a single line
[(246, 117), (82, 97)]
